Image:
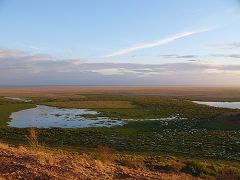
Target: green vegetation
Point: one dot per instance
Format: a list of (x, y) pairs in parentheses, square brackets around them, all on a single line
[(92, 104), (197, 131), (140, 107), (198, 168), (8, 106)]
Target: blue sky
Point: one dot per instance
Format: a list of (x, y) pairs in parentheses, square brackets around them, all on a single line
[(159, 32)]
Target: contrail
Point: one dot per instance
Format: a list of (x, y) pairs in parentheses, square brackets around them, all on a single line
[(154, 44)]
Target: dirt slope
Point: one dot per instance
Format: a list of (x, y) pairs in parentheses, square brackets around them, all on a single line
[(22, 163)]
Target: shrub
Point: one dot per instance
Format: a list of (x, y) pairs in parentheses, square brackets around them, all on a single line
[(104, 154), (199, 169)]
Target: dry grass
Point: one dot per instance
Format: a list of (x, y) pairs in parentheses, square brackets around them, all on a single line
[(23, 163), (93, 104), (196, 93), (32, 138), (104, 154), (135, 163)]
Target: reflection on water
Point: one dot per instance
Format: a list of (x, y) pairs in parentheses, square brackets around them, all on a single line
[(233, 105), (46, 117)]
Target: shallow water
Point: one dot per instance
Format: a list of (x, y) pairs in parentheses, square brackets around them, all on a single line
[(232, 105), (18, 99), (46, 117)]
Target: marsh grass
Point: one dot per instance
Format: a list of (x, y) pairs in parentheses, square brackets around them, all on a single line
[(92, 104), (7, 109), (201, 135)]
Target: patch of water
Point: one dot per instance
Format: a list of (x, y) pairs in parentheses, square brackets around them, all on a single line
[(232, 105), (47, 117), (18, 99), (172, 118)]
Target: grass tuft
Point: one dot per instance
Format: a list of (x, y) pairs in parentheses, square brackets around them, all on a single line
[(33, 138)]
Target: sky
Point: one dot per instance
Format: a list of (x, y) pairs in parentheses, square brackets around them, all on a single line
[(137, 42)]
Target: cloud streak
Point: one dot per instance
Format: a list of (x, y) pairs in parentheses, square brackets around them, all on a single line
[(232, 45), (154, 44)]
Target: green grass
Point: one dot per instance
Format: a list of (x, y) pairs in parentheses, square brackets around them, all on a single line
[(8, 106), (92, 104), (204, 169), (146, 107)]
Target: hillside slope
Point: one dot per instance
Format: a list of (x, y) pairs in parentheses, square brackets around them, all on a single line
[(22, 163)]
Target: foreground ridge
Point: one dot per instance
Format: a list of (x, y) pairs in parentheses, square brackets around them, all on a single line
[(27, 163)]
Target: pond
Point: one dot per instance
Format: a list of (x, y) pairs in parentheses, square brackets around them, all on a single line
[(47, 117), (232, 105)]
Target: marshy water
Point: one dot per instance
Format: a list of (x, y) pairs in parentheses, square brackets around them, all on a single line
[(47, 117), (232, 105), (18, 99)]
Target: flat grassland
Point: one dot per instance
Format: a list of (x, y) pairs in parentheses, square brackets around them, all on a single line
[(196, 132), (93, 104), (193, 93)]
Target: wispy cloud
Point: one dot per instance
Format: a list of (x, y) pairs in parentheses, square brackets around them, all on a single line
[(179, 56), (232, 45), (156, 43), (226, 55)]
